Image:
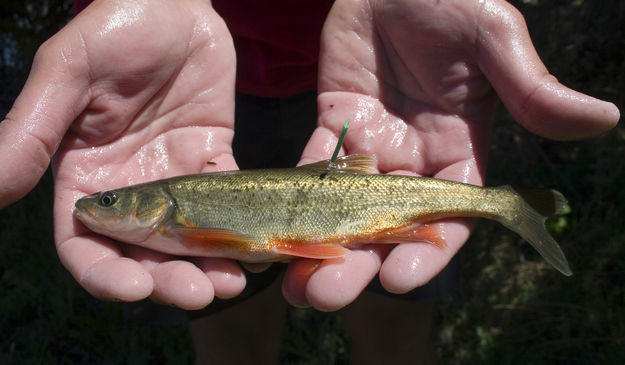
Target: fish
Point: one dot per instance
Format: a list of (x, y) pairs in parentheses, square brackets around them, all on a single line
[(318, 211)]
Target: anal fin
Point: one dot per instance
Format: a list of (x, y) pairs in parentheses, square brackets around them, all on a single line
[(310, 250), (413, 232)]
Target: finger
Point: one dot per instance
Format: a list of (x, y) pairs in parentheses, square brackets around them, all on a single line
[(97, 265), (182, 284), (256, 267), (533, 96), (411, 265), (321, 145), (227, 277), (53, 96), (295, 280), (338, 282)]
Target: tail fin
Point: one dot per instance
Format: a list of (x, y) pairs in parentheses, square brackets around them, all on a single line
[(529, 222)]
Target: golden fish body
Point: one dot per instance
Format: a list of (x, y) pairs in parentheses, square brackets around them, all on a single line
[(311, 211)]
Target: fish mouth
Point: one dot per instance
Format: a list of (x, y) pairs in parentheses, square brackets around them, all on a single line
[(87, 216), (81, 211), (78, 213), (95, 223)]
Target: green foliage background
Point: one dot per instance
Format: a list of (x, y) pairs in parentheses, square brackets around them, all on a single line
[(510, 308)]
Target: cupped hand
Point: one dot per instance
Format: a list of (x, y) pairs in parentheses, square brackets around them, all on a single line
[(419, 81), (127, 92)]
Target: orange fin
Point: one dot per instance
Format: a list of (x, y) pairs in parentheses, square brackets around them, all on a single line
[(355, 164), (211, 240), (428, 232), (310, 250)]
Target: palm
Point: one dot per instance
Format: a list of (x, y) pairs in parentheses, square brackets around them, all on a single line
[(156, 104), (409, 75), (420, 104)]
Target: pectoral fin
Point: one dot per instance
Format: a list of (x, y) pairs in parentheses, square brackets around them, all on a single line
[(214, 240)]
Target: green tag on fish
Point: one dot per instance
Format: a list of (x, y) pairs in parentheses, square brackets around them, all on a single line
[(339, 143)]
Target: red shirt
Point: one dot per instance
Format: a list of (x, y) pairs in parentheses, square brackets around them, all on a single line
[(277, 43)]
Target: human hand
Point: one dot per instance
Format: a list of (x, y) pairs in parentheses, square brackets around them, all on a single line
[(419, 81), (127, 92)]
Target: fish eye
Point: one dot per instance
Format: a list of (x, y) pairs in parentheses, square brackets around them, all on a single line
[(108, 198)]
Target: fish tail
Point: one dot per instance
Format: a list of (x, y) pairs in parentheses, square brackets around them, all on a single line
[(528, 217)]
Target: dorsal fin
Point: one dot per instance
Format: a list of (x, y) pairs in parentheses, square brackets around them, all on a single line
[(355, 164)]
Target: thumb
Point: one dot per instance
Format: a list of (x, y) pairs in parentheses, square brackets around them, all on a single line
[(53, 96), (533, 96)]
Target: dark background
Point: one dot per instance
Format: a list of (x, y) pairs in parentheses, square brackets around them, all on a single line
[(511, 306)]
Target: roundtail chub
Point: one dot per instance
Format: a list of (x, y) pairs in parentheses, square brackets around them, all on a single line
[(316, 211)]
